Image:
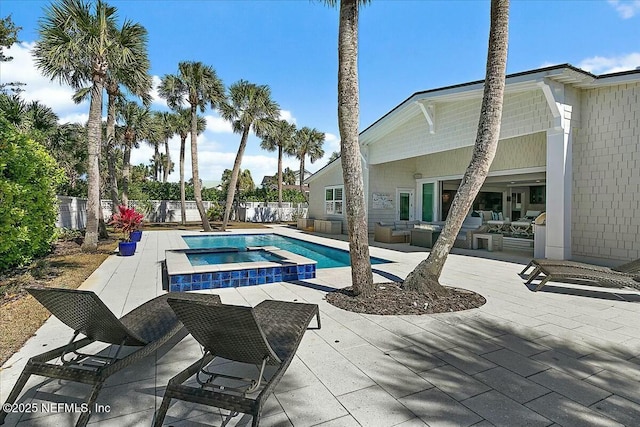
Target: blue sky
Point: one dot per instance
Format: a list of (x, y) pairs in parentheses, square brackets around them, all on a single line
[(405, 47)]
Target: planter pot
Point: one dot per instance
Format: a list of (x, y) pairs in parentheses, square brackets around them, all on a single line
[(127, 248), (136, 235)]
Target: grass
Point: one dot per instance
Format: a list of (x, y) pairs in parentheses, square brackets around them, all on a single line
[(20, 314), (66, 267)]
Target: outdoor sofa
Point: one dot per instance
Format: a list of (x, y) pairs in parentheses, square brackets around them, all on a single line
[(400, 231), (146, 328)]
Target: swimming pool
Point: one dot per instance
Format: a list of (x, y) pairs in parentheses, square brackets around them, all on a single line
[(327, 257), (208, 258)]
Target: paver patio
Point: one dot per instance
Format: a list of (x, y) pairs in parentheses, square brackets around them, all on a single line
[(563, 356)]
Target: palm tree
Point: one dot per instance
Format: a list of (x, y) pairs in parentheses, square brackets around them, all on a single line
[(307, 142), (165, 121), (280, 138), (249, 107), (199, 85), (348, 123), (182, 125), (134, 77), (425, 277), (136, 126), (77, 46), (288, 177)]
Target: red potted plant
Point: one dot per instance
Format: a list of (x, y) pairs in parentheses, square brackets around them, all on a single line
[(126, 221)]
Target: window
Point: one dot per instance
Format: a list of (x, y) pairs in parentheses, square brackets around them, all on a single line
[(333, 200)]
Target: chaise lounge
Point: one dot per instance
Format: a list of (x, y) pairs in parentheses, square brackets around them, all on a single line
[(147, 327), (568, 274), (266, 335)]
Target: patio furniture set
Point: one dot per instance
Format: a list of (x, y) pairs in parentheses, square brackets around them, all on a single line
[(420, 233), (523, 227), (266, 335)]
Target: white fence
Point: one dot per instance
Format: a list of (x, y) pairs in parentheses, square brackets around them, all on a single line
[(72, 211)]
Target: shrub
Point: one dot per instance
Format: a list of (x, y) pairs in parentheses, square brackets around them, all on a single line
[(28, 208), (215, 213), (125, 221)]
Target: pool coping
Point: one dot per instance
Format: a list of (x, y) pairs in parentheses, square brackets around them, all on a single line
[(177, 261)]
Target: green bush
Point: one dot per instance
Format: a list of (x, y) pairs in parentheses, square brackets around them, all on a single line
[(215, 213), (28, 208)]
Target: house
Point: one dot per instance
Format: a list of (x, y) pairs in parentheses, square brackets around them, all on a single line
[(569, 146)]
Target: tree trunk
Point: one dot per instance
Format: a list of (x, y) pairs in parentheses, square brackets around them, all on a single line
[(348, 122), (425, 277), (126, 169), (111, 141), (197, 191), (167, 166), (183, 197), (94, 131), (301, 176), (156, 160), (279, 175), (234, 177)]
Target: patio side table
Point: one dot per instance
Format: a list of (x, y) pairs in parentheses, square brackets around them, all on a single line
[(423, 238)]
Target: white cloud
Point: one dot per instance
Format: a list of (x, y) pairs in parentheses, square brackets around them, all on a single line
[(155, 96), (38, 88), (81, 118), (626, 9), (288, 116), (217, 124), (613, 64)]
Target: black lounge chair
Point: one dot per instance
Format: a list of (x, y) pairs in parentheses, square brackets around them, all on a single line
[(628, 267), (268, 334), (590, 277), (147, 327)]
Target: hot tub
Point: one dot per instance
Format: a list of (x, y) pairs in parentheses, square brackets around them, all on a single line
[(198, 269)]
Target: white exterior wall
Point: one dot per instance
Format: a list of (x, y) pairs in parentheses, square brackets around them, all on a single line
[(328, 177), (456, 125), (385, 179), (606, 179)]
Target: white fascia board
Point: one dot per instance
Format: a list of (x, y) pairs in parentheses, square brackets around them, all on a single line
[(613, 81)]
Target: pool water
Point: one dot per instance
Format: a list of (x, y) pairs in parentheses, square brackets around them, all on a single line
[(209, 258), (327, 257)]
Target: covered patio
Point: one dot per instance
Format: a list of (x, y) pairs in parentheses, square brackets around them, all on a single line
[(565, 355)]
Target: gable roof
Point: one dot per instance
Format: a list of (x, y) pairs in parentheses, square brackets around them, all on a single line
[(565, 74)]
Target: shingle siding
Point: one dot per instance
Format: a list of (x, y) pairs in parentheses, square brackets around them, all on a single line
[(606, 174)]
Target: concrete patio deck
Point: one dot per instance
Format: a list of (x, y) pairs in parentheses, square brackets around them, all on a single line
[(565, 356)]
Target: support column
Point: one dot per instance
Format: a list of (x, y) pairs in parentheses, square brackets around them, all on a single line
[(559, 173), (559, 183)]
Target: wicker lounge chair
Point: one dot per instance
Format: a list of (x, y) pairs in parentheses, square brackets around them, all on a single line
[(564, 273), (628, 267), (147, 327), (268, 334)]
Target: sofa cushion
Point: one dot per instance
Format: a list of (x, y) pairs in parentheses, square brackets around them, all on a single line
[(400, 225), (385, 224), (400, 232)]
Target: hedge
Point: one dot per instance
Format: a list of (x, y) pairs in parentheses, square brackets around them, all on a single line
[(28, 210)]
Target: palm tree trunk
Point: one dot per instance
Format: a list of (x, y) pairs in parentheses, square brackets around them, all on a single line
[(279, 176), (167, 159), (197, 191), (156, 160), (94, 131), (234, 177), (301, 175), (183, 197), (425, 277), (348, 122), (111, 161), (126, 170)]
